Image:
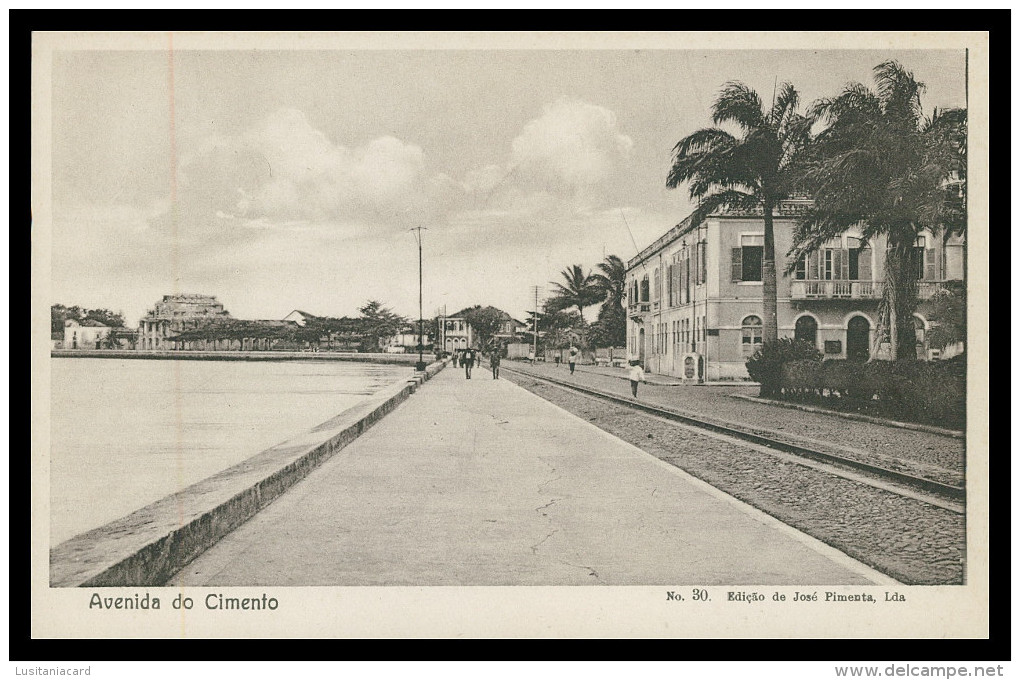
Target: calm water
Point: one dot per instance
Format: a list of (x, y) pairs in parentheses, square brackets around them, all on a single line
[(127, 432)]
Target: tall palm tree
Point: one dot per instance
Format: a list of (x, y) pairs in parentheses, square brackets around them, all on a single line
[(578, 290), (611, 283), (883, 164), (611, 328), (752, 172)]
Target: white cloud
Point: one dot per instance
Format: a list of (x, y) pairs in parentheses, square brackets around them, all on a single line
[(572, 144), (285, 169)]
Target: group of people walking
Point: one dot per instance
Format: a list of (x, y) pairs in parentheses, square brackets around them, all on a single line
[(469, 357)]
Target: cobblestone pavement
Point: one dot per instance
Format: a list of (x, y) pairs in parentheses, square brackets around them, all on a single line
[(921, 453), (908, 539)]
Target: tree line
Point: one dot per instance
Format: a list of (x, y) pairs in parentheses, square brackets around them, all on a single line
[(579, 289), (59, 314), (376, 322)]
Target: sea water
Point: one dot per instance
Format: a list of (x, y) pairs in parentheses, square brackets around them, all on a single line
[(127, 432)]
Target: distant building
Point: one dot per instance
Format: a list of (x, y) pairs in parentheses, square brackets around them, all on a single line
[(176, 313), (84, 334), (456, 332), (405, 341), (299, 317), (694, 296)]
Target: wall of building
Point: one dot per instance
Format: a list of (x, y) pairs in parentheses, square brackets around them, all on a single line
[(715, 315), (77, 336)]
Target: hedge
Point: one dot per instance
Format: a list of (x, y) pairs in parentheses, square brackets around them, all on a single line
[(933, 391), (766, 364)]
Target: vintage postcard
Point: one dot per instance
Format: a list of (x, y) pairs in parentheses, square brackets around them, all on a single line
[(510, 335)]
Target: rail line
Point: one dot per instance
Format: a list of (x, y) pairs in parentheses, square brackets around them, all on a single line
[(832, 462)]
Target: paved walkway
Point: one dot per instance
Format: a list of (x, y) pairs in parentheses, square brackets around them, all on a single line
[(482, 483)]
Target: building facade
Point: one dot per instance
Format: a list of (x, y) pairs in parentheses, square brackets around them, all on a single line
[(694, 296), (455, 332), (176, 313), (457, 335), (84, 334), (405, 341)]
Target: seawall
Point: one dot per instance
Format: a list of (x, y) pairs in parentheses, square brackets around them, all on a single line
[(150, 545), (189, 355)]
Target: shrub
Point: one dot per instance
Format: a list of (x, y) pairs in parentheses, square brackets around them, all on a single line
[(932, 391), (843, 376), (766, 364), (800, 378)]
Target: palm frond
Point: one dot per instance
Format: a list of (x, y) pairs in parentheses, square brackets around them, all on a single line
[(706, 138), (787, 101), (738, 103)]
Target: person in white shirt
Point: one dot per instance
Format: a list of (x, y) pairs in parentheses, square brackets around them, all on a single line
[(637, 374), (572, 359)]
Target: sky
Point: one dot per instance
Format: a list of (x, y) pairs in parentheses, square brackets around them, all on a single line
[(281, 180)]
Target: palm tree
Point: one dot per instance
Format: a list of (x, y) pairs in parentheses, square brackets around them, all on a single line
[(579, 291), (611, 283), (882, 164), (611, 327), (753, 172)]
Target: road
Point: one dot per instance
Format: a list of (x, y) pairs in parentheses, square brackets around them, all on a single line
[(479, 482)]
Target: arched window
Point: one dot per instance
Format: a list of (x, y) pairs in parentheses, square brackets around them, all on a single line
[(750, 337), (655, 287), (806, 329), (644, 288)]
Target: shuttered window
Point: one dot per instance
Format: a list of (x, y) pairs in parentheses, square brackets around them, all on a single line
[(687, 279), (919, 257), (702, 261), (800, 269), (752, 252)]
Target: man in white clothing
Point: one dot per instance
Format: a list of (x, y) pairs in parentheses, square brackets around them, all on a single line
[(637, 374)]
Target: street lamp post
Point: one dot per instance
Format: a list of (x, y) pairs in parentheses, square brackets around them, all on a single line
[(420, 366)]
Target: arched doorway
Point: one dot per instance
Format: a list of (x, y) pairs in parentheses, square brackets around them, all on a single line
[(858, 339), (920, 338), (806, 329), (641, 345)]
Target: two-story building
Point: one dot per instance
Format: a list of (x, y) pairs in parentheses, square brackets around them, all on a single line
[(176, 313), (694, 296), (456, 332)]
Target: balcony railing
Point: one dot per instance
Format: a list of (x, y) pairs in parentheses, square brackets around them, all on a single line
[(854, 290), (640, 308), (829, 290)]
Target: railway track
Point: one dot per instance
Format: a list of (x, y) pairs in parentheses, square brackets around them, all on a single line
[(927, 490)]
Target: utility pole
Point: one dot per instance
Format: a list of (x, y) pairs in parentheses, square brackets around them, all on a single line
[(420, 366), (535, 336)]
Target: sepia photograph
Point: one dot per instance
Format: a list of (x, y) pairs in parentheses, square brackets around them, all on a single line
[(680, 326)]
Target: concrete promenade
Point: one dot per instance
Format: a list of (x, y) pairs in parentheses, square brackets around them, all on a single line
[(479, 482)]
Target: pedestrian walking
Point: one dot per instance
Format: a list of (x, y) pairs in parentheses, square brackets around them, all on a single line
[(494, 363), (637, 374), (531, 358), (456, 358), (572, 359), (468, 359)]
